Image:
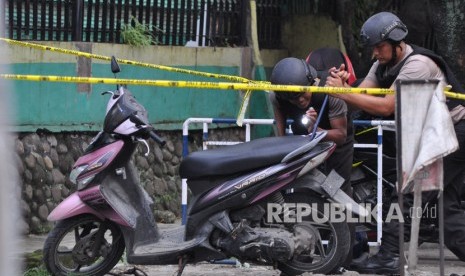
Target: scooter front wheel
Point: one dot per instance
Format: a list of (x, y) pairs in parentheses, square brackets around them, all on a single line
[(83, 245)]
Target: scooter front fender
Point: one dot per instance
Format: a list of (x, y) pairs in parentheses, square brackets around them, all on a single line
[(70, 207)]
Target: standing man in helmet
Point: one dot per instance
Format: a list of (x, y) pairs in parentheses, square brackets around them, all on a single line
[(385, 32), (334, 119)]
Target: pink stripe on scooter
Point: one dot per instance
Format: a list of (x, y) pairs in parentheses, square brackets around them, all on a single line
[(71, 206), (93, 156)]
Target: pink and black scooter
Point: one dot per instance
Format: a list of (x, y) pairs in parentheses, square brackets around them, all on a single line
[(244, 204)]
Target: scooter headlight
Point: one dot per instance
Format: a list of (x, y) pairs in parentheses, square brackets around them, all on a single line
[(76, 172), (81, 182), (84, 173)]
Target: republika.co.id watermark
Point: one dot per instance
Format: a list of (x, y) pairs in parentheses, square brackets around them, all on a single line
[(336, 212)]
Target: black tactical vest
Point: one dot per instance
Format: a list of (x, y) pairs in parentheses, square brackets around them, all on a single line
[(386, 80)]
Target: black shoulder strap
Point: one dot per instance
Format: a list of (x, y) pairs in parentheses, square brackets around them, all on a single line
[(451, 79), (386, 80)]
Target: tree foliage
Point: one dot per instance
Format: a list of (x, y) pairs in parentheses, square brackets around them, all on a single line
[(438, 25)]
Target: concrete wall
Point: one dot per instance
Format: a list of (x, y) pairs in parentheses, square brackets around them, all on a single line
[(68, 106)]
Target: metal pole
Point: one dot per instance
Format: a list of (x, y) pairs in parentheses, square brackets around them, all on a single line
[(204, 136), (379, 186), (2, 17), (379, 172), (415, 229), (400, 196), (441, 233), (78, 20)]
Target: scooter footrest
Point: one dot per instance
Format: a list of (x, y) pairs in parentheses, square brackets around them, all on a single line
[(171, 240)]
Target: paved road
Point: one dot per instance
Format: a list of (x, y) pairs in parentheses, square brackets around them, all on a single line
[(428, 264)]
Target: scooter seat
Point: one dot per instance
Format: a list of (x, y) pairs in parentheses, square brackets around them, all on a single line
[(241, 157)]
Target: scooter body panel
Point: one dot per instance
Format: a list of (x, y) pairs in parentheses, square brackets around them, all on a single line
[(70, 207), (79, 203)]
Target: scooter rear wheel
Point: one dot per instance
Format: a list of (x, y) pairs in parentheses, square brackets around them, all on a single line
[(69, 246), (334, 244)]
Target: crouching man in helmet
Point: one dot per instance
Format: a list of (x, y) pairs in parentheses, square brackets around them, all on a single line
[(293, 105), (334, 118)]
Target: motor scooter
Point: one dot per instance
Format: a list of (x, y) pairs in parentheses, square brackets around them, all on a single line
[(247, 202)]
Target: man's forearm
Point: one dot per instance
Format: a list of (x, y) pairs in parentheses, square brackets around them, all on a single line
[(380, 106)]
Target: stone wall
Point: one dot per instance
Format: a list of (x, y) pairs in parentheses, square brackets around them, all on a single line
[(44, 161)]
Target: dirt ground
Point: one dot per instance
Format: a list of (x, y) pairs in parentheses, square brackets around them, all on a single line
[(206, 269), (428, 265)]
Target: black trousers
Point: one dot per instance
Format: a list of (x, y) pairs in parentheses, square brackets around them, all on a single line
[(341, 161), (454, 213)]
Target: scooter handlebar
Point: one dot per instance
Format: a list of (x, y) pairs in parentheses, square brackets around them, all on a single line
[(152, 133), (157, 138)]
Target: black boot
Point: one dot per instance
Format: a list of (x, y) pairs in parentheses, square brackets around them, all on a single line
[(383, 262)]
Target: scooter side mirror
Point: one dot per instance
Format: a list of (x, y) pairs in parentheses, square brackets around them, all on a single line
[(114, 65)]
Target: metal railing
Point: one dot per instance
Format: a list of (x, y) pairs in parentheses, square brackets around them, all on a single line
[(206, 121), (219, 23), (379, 124)]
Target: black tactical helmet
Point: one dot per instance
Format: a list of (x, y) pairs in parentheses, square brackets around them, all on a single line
[(292, 71), (382, 26)]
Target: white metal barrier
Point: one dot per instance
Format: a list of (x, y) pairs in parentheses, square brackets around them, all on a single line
[(205, 122), (380, 124)]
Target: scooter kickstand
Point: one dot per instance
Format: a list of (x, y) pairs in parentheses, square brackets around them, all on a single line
[(182, 264)]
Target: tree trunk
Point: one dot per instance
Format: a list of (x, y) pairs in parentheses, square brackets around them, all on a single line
[(448, 17), (361, 62), (416, 15)]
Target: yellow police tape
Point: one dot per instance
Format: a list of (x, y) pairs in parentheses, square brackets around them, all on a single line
[(245, 85), (124, 61), (200, 84), (454, 95)]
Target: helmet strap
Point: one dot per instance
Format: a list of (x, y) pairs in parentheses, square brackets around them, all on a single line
[(394, 45)]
